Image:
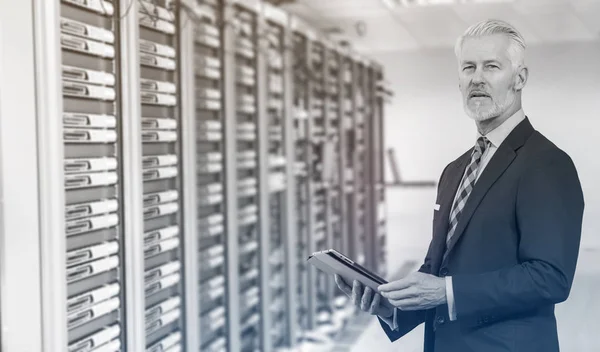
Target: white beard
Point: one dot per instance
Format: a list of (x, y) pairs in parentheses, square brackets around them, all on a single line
[(483, 114)]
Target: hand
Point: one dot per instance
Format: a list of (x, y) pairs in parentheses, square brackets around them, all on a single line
[(417, 291), (367, 300)]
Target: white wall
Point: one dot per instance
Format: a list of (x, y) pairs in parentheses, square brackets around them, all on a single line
[(428, 128)]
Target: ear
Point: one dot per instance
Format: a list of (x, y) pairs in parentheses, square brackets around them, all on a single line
[(521, 77)]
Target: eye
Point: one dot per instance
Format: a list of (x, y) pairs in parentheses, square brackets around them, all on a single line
[(468, 67), (493, 66)]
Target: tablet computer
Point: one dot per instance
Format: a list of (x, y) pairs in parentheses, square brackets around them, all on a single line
[(334, 262)]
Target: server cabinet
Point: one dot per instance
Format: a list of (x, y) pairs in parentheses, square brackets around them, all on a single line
[(161, 175), (246, 189), (343, 159), (369, 164), (92, 168), (321, 229), (250, 188), (301, 40), (360, 186), (198, 141), (274, 113), (351, 158), (368, 201), (378, 220), (187, 26), (336, 311), (333, 164), (210, 178), (292, 252), (233, 265)]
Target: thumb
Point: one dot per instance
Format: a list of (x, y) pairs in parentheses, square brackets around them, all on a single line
[(395, 285)]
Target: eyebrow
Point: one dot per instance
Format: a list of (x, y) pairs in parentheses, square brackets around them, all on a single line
[(466, 62)]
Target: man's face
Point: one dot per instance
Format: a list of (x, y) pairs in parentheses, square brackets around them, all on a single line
[(487, 77)]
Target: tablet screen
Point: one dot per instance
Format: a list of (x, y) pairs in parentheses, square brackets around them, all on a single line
[(360, 269)]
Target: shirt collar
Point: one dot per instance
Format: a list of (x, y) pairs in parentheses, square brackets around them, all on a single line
[(499, 134)]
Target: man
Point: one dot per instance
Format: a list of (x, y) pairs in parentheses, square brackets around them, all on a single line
[(506, 226)]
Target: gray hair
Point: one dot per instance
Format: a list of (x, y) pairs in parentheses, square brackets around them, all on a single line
[(490, 27)]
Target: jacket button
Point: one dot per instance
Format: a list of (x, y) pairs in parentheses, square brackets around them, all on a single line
[(440, 320), (444, 271)]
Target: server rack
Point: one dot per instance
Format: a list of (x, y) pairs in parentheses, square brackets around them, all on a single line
[(321, 231), (337, 311), (273, 244), (245, 107), (210, 177), (191, 199), (162, 188), (370, 237), (360, 183), (327, 157), (301, 40), (333, 164), (351, 146), (292, 252), (250, 190), (92, 170), (343, 158), (380, 94), (231, 164)]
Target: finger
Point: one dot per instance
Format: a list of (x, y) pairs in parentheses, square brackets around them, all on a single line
[(356, 292), (343, 285), (375, 303), (365, 302), (395, 285), (402, 294)]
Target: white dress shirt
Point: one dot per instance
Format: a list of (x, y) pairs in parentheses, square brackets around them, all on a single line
[(496, 137)]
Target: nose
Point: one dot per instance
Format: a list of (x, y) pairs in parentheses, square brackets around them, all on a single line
[(477, 76)]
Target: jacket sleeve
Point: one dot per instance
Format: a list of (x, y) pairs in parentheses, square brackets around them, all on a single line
[(549, 212), (406, 321)]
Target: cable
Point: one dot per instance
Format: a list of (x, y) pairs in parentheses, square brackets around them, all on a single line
[(126, 11), (153, 17)]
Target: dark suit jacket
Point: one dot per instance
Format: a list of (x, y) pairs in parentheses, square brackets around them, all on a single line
[(514, 252)]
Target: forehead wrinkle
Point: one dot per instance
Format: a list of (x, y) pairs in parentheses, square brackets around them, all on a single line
[(486, 50)]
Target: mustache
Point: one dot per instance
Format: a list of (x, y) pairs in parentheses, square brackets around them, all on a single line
[(478, 92)]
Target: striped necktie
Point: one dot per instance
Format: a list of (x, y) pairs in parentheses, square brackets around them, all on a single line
[(467, 184)]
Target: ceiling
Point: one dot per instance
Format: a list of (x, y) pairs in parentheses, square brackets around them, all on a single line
[(371, 26)]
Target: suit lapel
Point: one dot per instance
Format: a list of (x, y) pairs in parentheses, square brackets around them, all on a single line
[(503, 157)]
